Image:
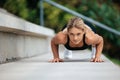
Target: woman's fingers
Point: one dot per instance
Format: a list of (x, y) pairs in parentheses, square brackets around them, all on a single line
[(56, 60), (96, 60), (61, 60)]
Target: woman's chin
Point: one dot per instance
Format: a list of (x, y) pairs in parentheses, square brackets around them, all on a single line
[(76, 43)]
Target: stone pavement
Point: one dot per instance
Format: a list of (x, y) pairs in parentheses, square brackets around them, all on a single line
[(77, 68)]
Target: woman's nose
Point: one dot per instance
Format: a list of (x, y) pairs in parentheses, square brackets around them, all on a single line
[(75, 37)]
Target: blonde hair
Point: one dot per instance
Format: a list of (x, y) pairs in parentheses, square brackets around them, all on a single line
[(76, 22)]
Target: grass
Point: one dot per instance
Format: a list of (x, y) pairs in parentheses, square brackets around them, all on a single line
[(114, 60)]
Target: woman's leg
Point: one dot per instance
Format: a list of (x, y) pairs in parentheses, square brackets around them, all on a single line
[(67, 54), (93, 52)]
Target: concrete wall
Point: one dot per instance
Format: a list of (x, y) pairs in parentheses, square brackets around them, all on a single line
[(20, 38)]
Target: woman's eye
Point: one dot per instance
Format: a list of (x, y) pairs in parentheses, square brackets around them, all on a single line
[(78, 34), (71, 33)]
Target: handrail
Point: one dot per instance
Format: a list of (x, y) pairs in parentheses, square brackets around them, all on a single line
[(41, 13), (83, 17)]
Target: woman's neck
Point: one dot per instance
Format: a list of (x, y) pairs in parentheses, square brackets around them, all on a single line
[(80, 44)]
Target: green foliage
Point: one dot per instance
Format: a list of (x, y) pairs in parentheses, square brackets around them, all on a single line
[(55, 18), (114, 60), (22, 9), (17, 7)]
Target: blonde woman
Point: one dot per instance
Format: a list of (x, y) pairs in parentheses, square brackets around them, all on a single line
[(77, 36)]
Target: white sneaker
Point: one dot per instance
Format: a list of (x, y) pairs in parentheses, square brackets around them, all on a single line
[(67, 54)]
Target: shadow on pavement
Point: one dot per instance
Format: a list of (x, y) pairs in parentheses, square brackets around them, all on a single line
[(76, 60)]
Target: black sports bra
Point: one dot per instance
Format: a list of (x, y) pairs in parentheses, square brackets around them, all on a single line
[(85, 46)]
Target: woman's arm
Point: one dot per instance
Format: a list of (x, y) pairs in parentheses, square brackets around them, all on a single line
[(58, 39), (55, 51), (95, 39), (99, 48)]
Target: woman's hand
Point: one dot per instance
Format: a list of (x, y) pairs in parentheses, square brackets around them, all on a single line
[(96, 60), (56, 60)]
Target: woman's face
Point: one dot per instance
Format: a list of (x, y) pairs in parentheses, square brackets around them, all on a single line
[(75, 35)]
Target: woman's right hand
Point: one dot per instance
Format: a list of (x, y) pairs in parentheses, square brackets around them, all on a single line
[(56, 60)]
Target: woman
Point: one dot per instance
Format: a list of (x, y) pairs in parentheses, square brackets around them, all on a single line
[(77, 36)]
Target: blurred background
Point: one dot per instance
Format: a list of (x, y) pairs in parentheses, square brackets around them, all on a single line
[(104, 11)]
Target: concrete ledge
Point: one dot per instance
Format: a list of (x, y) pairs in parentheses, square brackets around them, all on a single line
[(20, 38), (16, 25)]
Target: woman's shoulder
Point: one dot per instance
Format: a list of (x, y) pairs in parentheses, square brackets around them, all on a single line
[(61, 37), (91, 37)]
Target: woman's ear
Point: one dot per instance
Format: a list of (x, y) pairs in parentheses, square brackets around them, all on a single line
[(67, 33)]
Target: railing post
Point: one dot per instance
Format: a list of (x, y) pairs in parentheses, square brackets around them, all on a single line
[(41, 13)]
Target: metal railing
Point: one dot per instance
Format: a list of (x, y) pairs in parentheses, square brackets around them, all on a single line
[(83, 17), (41, 13)]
